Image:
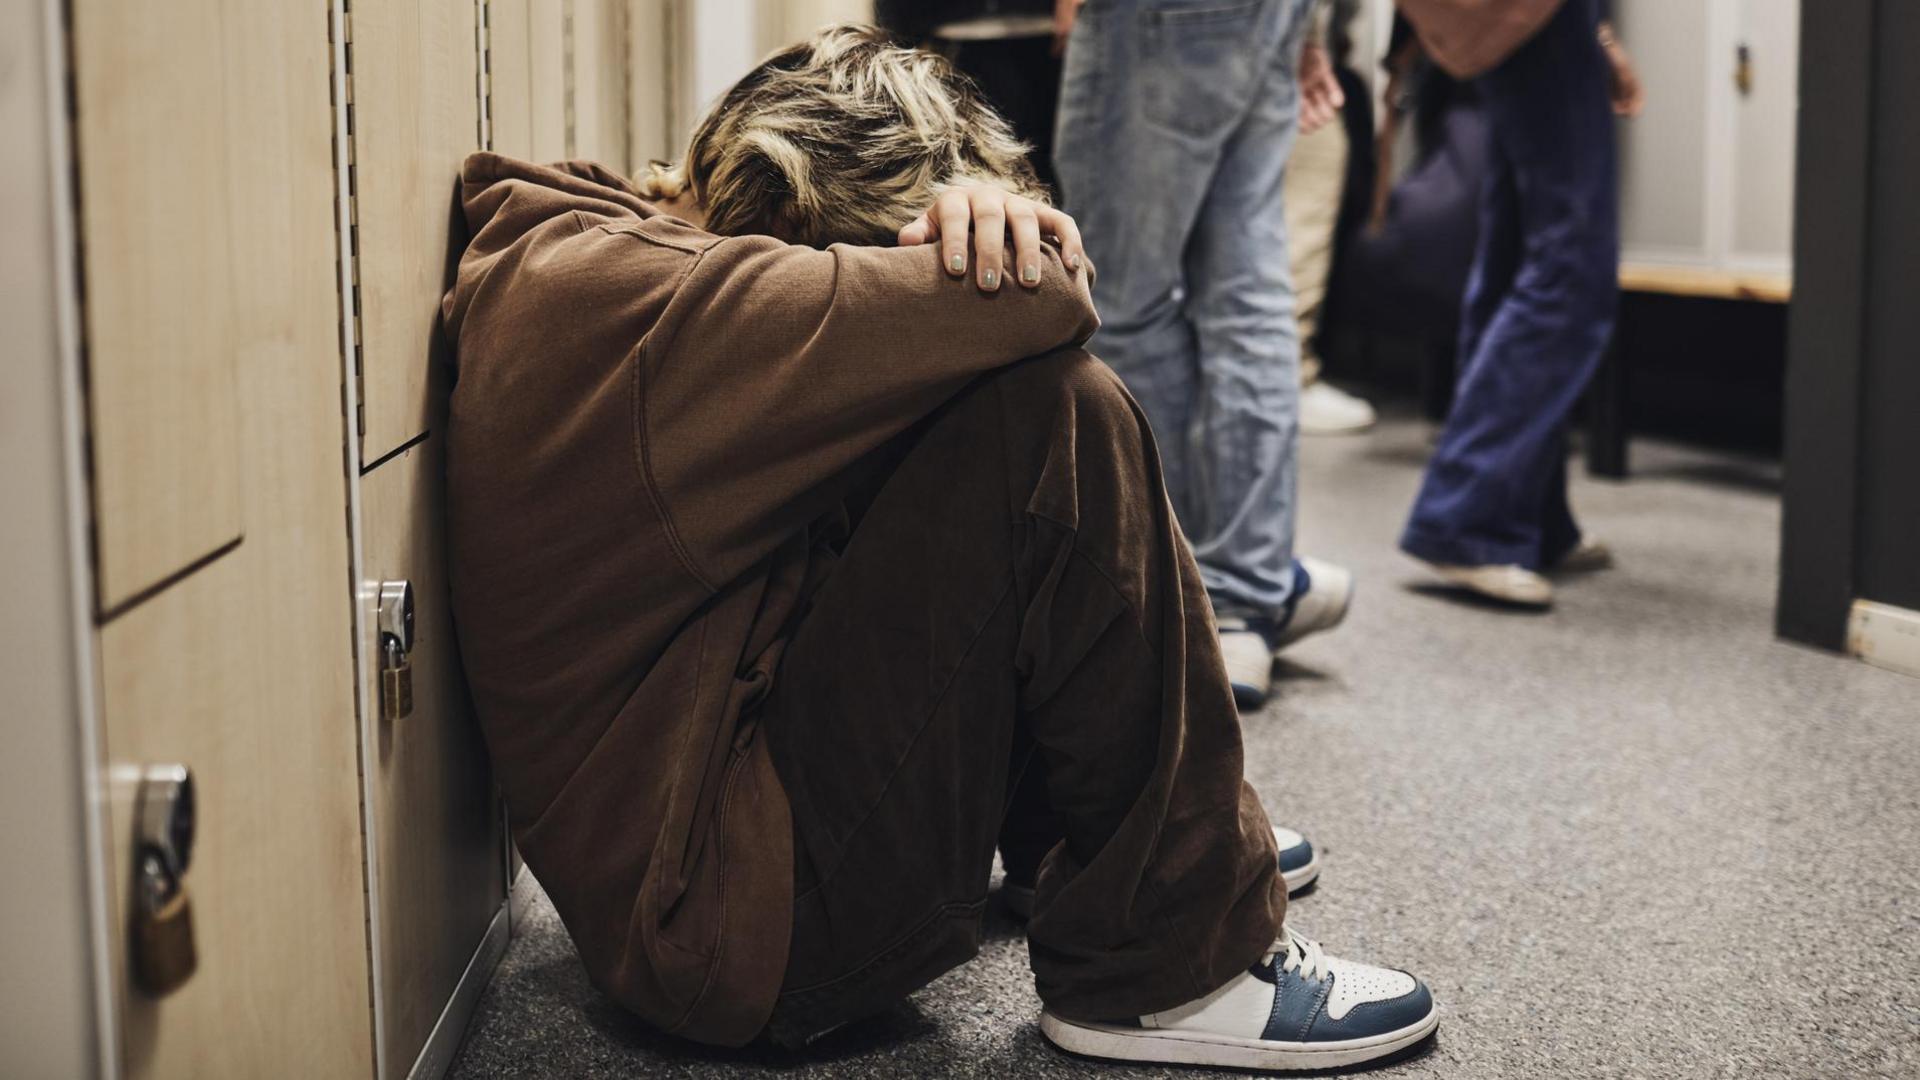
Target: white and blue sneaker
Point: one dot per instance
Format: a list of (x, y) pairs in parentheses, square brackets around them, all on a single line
[(1322, 593), (1296, 1009), (1299, 863), (1299, 866)]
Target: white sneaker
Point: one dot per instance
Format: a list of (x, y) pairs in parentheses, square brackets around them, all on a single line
[(1296, 1009), (1514, 585), (1586, 557), (1326, 409), (1299, 861), (1248, 650), (1322, 593)]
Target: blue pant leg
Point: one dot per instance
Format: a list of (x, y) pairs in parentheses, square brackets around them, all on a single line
[(1242, 304), (1496, 260), (1491, 493)]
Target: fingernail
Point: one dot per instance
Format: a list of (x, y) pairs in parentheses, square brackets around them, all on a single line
[(957, 264), (1030, 273), (991, 279), (1073, 262)]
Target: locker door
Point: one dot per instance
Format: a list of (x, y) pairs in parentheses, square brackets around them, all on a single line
[(241, 669), (160, 345), (527, 88), (415, 115), (438, 881), (439, 843), (599, 84)]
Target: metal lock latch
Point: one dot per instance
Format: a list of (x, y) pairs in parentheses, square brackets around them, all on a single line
[(396, 639), (164, 955)]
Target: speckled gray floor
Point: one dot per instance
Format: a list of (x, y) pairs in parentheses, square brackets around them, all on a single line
[(1637, 837)]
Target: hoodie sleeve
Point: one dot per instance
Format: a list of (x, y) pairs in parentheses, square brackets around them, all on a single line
[(777, 367)]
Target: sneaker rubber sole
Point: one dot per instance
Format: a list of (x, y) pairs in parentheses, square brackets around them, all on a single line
[(1115, 1043)]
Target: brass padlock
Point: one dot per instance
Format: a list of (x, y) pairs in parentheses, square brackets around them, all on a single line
[(164, 955), (396, 640), (396, 679)]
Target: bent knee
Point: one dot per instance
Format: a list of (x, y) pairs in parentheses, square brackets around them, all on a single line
[(1073, 377), (1071, 393)]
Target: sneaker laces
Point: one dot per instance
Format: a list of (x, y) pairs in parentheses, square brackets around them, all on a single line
[(1303, 955)]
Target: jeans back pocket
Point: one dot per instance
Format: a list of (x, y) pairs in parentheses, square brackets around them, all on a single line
[(1200, 60)]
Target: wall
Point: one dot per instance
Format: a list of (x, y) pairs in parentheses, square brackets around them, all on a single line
[(713, 52)]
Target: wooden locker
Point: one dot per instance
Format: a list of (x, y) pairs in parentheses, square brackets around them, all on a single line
[(439, 843), (509, 80), (527, 89), (438, 880), (243, 669), (547, 67), (599, 85), (415, 117), (653, 35), (160, 351)]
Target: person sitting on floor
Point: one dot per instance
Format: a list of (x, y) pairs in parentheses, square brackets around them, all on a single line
[(778, 548)]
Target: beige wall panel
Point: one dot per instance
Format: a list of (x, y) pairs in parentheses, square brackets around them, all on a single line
[(159, 300), (437, 825), (527, 56), (783, 22), (652, 98), (600, 83), (509, 82), (416, 115), (243, 671), (547, 68)]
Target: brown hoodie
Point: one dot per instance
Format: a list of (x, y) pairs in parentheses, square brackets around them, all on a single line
[(651, 433)]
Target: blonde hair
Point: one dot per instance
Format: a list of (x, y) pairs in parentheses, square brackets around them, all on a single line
[(843, 138)]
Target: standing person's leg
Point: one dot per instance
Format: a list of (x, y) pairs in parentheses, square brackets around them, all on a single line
[(1147, 99), (1316, 183), (1246, 464), (1496, 260), (1019, 580), (1242, 304), (1490, 499), (1316, 178)]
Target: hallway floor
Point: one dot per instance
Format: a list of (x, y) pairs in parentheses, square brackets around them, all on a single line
[(1635, 837)]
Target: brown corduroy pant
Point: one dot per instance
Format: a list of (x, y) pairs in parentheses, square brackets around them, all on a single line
[(1017, 586)]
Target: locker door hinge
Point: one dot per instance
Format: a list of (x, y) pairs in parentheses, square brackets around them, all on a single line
[(568, 79), (483, 12), (350, 243)]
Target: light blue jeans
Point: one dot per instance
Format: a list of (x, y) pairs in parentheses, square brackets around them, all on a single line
[(1176, 121)]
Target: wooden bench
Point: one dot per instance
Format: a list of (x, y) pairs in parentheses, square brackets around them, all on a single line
[(1607, 428)]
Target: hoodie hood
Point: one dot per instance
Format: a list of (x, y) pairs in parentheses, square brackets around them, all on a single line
[(504, 201)]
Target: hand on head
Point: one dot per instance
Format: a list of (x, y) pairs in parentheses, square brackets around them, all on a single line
[(992, 214)]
